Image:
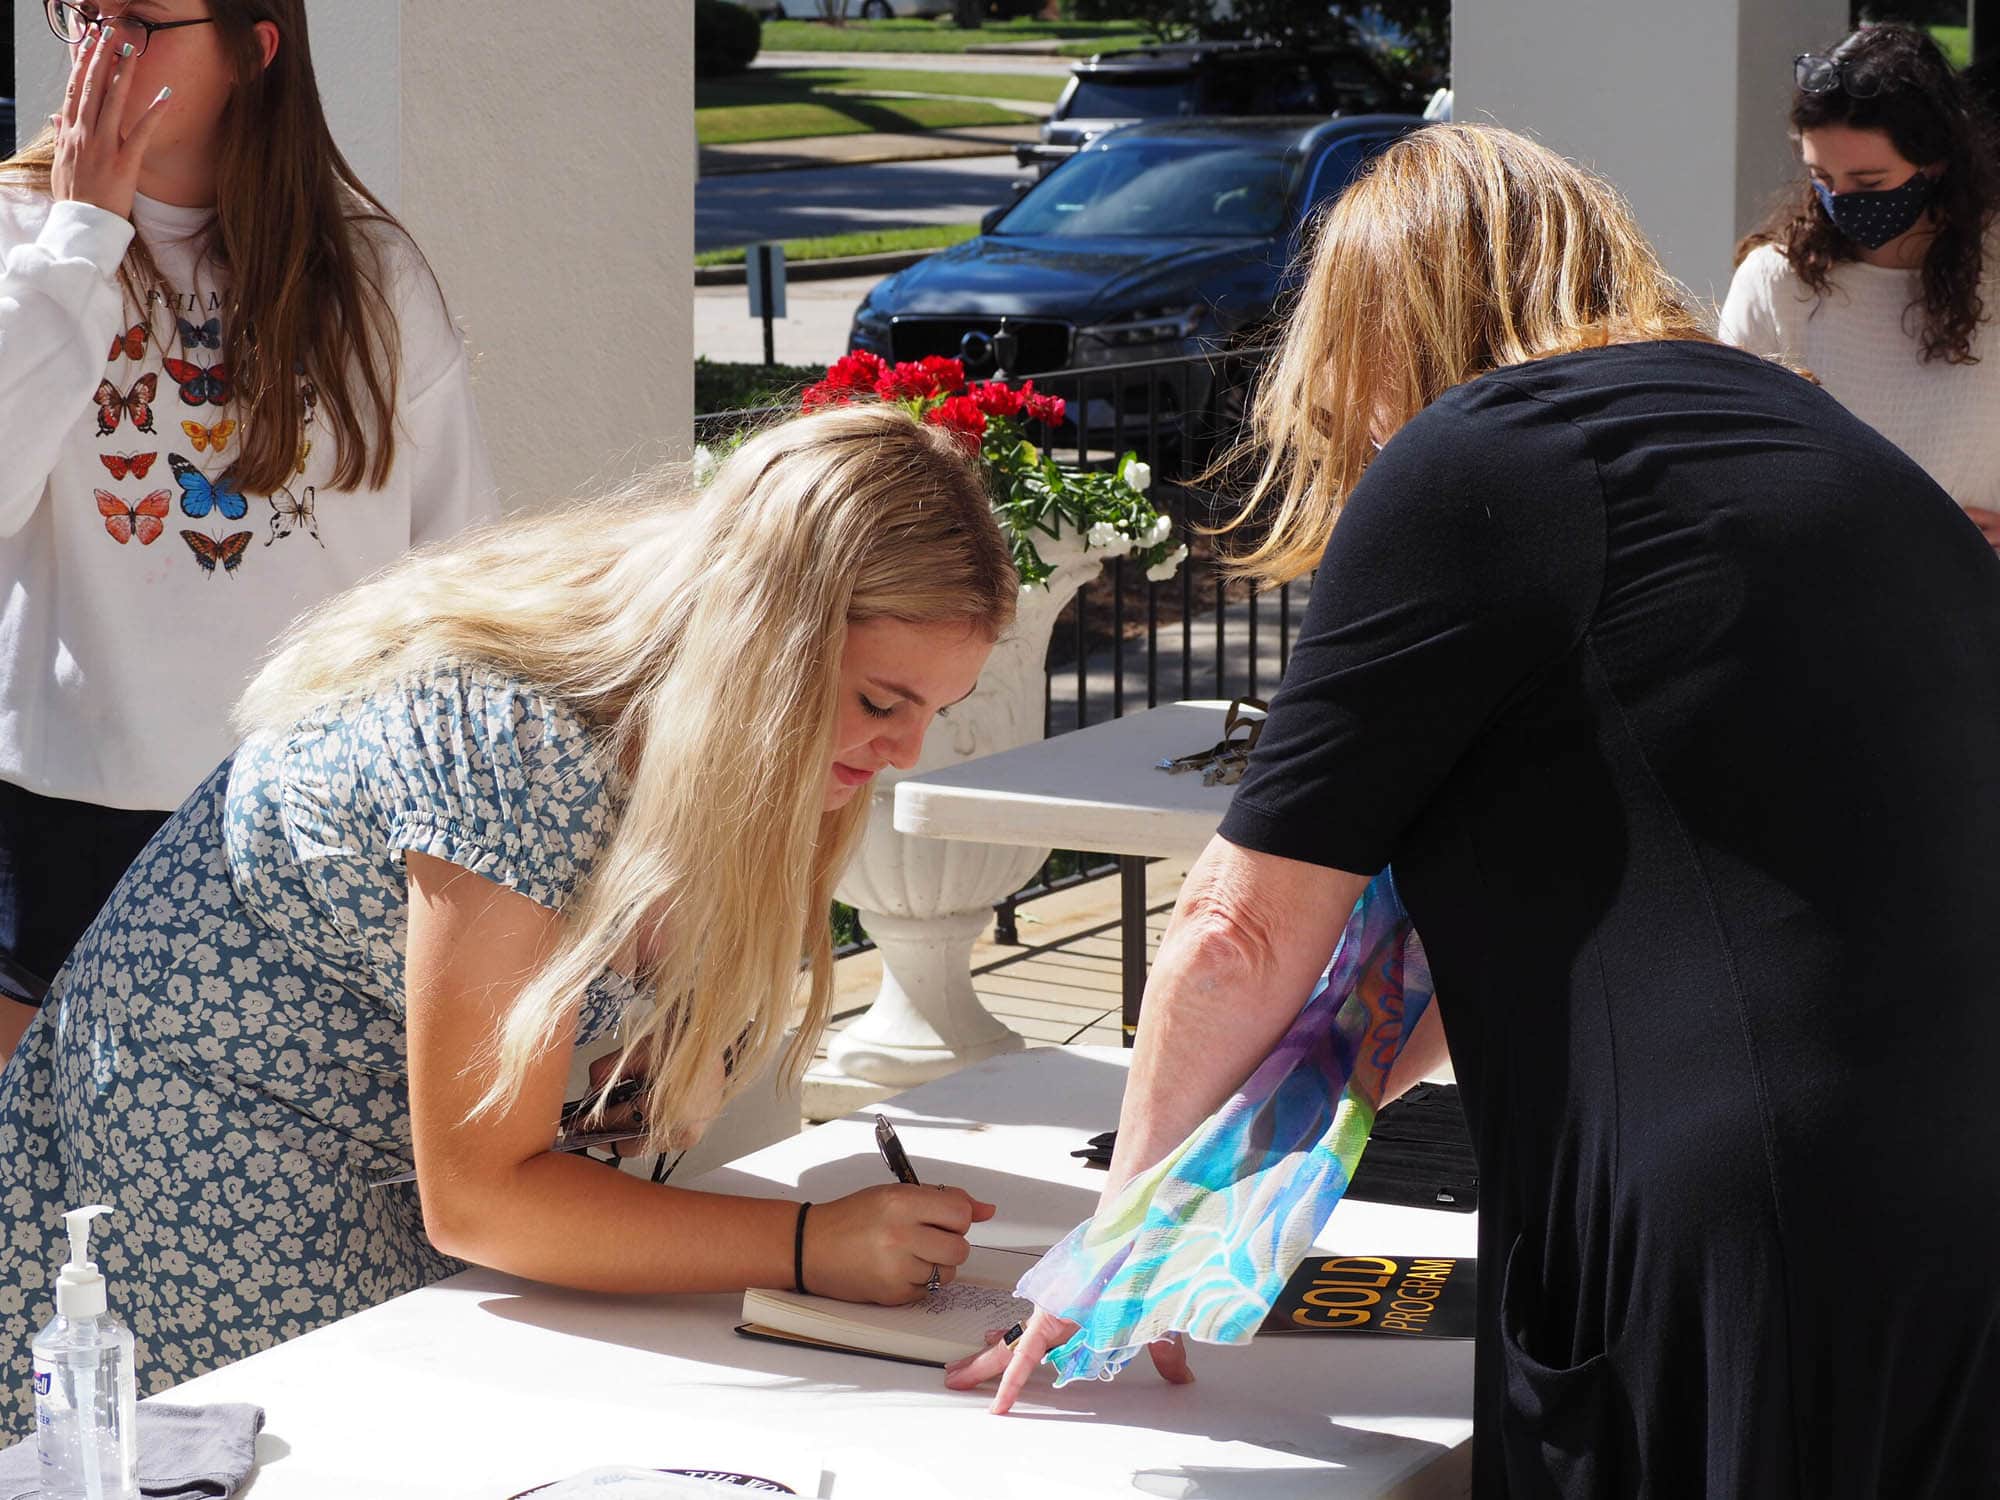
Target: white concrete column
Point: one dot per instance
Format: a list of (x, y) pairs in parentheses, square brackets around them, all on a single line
[(1682, 105), (544, 158)]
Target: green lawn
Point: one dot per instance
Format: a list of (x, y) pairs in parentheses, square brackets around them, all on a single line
[(783, 85), (1956, 42), (1041, 88), (789, 115), (866, 242), (942, 36)]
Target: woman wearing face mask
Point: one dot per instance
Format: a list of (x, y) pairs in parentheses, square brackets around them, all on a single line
[(229, 389), (1874, 274)]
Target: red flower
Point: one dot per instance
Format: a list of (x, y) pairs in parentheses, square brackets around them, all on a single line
[(855, 372), (826, 393), (934, 375), (1047, 409), (997, 399), (961, 416)]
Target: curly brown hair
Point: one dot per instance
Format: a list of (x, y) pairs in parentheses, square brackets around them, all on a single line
[(1931, 119)]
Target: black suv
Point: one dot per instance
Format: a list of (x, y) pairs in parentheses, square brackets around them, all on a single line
[(1207, 78)]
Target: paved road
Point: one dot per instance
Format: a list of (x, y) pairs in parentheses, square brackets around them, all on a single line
[(754, 206), (813, 332)]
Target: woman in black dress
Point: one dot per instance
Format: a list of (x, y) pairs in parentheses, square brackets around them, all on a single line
[(1668, 688)]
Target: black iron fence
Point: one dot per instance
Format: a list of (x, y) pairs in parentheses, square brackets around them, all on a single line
[(1127, 642)]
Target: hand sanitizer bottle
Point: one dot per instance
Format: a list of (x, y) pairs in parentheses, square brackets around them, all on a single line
[(86, 1399)]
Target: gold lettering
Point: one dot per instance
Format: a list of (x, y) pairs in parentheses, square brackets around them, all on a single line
[(1341, 1296)]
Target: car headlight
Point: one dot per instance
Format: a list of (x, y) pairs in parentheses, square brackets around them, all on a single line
[(870, 324), (1157, 325)]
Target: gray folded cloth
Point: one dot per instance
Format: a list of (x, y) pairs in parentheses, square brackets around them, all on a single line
[(185, 1453)]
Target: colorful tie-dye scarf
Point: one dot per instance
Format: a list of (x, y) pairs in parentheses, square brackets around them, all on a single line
[(1203, 1242)]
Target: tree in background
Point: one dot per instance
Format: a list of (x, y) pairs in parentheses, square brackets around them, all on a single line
[(1411, 38)]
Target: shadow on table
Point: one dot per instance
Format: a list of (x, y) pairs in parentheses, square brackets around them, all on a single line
[(1296, 1396)]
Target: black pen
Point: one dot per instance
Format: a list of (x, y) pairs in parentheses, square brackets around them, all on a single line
[(892, 1152)]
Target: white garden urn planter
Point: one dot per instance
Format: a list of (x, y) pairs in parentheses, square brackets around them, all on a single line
[(925, 901)]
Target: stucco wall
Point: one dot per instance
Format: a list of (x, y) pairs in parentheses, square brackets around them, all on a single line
[(1681, 105), (544, 157)]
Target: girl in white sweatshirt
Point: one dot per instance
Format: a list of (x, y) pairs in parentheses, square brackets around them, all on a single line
[(229, 389)]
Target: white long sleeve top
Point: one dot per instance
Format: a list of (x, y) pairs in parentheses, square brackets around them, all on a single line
[(1861, 341), (138, 592)]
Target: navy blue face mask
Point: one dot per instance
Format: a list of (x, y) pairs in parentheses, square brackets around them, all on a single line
[(1874, 219)]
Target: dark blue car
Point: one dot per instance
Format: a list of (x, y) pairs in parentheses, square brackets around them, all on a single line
[(1156, 242)]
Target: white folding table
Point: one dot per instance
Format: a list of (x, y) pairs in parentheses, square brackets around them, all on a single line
[(1097, 790), (484, 1385)]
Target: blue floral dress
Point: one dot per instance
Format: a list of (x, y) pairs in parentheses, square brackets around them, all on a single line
[(222, 1059)]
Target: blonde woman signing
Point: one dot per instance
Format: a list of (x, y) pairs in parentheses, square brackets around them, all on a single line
[(1665, 686), (602, 765)]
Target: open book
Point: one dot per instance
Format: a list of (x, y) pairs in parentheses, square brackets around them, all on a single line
[(933, 1330)]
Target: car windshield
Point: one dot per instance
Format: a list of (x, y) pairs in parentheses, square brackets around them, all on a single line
[(1130, 96), (1159, 190)]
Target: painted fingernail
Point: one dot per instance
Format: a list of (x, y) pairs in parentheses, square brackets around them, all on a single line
[(164, 94), (126, 50)]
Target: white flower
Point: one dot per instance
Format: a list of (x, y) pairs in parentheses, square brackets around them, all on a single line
[(1167, 566), (1139, 475), (705, 464), (1158, 532), (1104, 534)]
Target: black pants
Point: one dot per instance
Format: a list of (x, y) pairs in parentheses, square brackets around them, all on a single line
[(58, 861)]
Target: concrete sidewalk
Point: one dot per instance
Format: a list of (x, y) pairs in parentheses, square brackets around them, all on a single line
[(864, 149)]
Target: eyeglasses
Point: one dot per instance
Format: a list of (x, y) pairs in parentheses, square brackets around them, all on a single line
[(1815, 74), (72, 24)]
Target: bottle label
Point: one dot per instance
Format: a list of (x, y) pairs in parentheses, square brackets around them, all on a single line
[(41, 1382)]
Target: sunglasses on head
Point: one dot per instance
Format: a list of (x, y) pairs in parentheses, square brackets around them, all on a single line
[(1815, 74)]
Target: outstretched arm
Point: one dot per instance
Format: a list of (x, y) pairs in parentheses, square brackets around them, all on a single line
[(1248, 938), (494, 1193)]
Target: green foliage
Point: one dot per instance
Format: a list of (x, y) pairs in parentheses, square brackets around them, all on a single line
[(721, 386), (1411, 38), (726, 38), (1163, 20)]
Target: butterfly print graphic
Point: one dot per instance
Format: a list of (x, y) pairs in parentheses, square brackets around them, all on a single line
[(199, 384), (146, 520), (290, 512), (136, 403), (203, 437), (200, 494), (208, 551), (131, 343), (204, 336), (121, 464)]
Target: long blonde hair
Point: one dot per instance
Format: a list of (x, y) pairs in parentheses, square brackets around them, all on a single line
[(701, 632), (1464, 249)]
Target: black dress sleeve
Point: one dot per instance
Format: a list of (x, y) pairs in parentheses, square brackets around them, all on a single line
[(1466, 563)]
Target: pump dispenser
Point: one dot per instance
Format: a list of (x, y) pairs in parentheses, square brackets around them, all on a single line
[(86, 1393)]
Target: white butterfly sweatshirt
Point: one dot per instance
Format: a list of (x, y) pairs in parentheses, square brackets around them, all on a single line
[(139, 591)]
